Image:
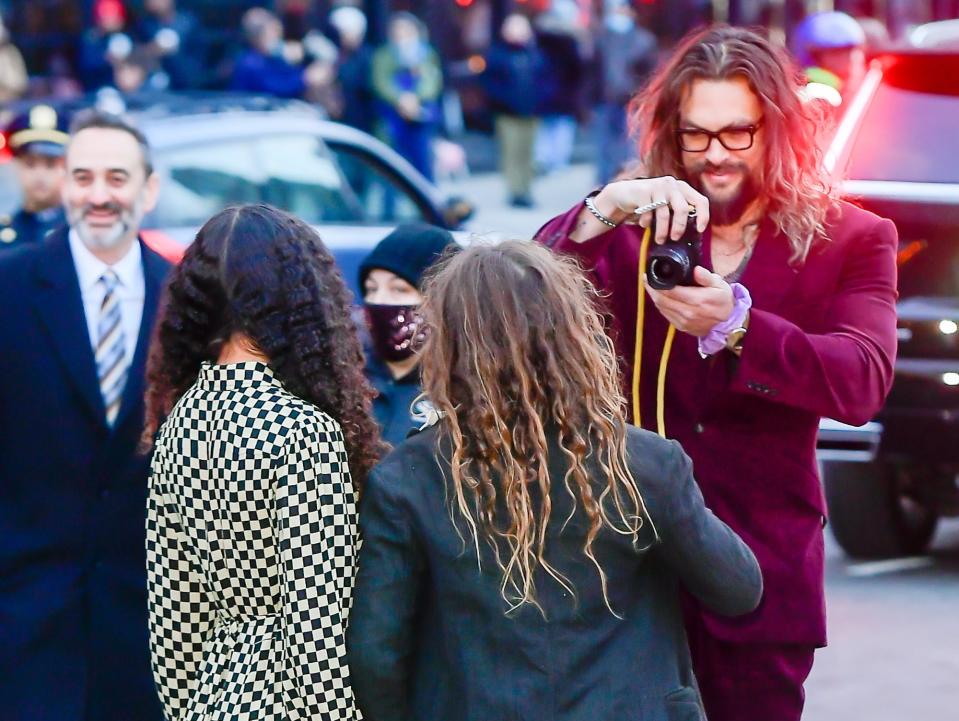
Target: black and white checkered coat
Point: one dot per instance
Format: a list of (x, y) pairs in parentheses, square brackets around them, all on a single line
[(251, 554)]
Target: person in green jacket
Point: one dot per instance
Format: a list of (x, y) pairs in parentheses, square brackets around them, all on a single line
[(407, 83)]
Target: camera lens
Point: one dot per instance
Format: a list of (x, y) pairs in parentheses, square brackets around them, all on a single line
[(667, 268)]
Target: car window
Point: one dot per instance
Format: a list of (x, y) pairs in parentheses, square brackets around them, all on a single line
[(386, 198), (293, 172), (909, 131), (10, 194)]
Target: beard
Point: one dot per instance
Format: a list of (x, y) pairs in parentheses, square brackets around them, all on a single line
[(107, 238), (726, 211)]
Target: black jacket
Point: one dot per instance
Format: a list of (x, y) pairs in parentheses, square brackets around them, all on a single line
[(394, 406), (429, 637), (513, 79)]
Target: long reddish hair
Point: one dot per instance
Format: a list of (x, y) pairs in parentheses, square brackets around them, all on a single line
[(795, 184)]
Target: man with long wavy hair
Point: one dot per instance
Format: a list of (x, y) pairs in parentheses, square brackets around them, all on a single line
[(790, 318)]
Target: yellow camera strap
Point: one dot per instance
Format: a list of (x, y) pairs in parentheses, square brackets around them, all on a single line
[(638, 350)]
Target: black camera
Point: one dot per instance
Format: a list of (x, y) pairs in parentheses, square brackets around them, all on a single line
[(673, 262)]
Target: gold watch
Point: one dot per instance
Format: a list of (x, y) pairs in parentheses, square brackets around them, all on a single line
[(734, 340)]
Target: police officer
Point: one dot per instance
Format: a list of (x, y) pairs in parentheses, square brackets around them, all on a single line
[(38, 140), (830, 46)]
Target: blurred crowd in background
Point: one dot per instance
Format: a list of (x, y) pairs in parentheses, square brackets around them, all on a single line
[(411, 71)]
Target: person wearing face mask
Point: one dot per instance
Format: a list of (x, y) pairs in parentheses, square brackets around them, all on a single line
[(407, 82), (627, 54), (390, 278)]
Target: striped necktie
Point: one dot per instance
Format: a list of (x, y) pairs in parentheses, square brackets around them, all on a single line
[(112, 365)]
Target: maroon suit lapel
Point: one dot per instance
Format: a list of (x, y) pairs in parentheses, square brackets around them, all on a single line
[(769, 276)]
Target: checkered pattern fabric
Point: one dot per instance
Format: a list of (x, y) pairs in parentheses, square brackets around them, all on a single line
[(251, 554)]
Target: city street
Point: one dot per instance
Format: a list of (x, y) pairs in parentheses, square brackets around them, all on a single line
[(893, 626)]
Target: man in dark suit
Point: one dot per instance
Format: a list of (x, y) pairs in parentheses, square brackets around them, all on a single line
[(77, 312), (791, 317)]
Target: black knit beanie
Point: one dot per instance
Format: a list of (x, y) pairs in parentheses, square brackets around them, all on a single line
[(408, 251)]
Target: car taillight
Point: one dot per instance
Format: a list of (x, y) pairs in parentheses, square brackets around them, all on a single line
[(163, 244), (909, 251)]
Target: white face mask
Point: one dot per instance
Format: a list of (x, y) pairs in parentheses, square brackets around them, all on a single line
[(619, 23)]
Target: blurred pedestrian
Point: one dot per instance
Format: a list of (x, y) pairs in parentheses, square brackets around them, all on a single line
[(354, 69), (830, 47), (38, 139), (263, 68), (175, 38), (323, 54), (13, 71), (537, 537), (627, 52), (761, 338), (77, 312), (515, 71), (407, 82), (868, 14), (138, 72), (255, 376), (390, 279), (104, 44), (564, 77)]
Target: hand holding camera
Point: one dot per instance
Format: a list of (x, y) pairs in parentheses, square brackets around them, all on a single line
[(693, 299), (655, 198)]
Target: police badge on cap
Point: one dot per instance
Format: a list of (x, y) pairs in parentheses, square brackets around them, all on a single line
[(39, 131)]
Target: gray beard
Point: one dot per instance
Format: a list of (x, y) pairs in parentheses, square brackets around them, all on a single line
[(101, 241), (113, 238)]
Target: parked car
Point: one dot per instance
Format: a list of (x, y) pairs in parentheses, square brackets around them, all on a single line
[(212, 150), (888, 482), (940, 35)]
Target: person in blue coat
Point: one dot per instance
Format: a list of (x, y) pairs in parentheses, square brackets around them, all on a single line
[(262, 67), (175, 38), (77, 312), (390, 279)]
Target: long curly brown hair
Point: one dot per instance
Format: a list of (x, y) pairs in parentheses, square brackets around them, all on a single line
[(259, 271), (795, 182), (518, 356)]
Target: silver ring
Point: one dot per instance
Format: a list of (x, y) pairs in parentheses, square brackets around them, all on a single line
[(650, 206)]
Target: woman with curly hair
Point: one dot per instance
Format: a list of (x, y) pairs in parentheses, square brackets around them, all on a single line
[(527, 550), (267, 438)]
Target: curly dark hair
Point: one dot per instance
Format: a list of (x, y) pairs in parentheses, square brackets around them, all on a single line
[(262, 272)]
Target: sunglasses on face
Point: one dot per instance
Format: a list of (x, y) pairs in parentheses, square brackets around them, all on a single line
[(733, 137)]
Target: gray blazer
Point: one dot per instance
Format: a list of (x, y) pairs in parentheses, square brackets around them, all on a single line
[(429, 638)]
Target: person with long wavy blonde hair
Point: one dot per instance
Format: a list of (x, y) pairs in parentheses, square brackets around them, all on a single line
[(527, 548), (787, 315)]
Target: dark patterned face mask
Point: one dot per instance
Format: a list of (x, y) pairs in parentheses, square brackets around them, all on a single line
[(398, 331)]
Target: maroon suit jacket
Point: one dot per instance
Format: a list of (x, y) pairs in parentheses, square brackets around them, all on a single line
[(821, 342)]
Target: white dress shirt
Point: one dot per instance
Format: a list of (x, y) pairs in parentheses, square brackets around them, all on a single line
[(131, 290)]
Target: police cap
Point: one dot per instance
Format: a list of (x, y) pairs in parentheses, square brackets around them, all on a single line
[(41, 130)]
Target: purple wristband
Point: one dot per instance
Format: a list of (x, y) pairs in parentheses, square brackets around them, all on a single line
[(715, 340)]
